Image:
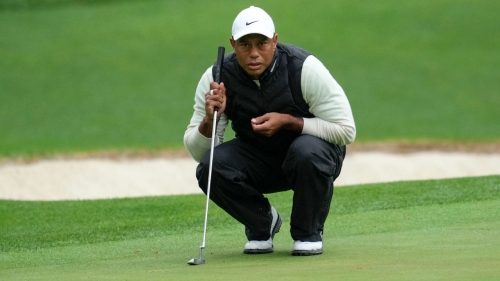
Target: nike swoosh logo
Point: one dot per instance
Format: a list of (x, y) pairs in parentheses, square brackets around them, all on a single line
[(249, 23)]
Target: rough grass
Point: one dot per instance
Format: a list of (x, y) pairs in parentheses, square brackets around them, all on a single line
[(78, 77)]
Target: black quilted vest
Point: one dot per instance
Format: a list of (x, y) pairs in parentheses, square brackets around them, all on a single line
[(280, 91)]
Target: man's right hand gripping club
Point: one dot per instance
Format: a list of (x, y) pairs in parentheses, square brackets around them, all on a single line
[(215, 98)]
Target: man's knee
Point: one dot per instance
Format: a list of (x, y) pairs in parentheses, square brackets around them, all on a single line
[(310, 151), (222, 160), (303, 147), (202, 171), (307, 148), (219, 155)]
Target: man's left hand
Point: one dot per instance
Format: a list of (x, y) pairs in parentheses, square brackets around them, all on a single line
[(270, 123)]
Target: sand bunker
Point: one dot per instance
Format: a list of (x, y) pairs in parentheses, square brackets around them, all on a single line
[(100, 178)]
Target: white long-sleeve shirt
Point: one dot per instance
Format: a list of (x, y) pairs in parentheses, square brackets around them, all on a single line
[(333, 121)]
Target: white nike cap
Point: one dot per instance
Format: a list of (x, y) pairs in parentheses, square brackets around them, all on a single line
[(253, 20)]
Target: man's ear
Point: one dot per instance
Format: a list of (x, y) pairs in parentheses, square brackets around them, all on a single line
[(233, 43)]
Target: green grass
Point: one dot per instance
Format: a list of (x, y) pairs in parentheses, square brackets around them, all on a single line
[(78, 76), (37, 4), (424, 230)]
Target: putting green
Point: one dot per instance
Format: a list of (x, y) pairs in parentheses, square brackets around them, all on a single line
[(457, 241)]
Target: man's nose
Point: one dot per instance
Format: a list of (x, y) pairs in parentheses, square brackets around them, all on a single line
[(254, 51)]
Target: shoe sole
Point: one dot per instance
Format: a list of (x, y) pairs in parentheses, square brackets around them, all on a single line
[(258, 251), (276, 229), (307, 253)]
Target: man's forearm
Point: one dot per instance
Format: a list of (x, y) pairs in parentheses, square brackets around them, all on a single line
[(205, 127)]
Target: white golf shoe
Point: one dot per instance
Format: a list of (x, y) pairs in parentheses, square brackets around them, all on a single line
[(304, 248), (265, 246)]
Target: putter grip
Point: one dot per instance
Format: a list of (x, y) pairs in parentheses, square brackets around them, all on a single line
[(218, 66)]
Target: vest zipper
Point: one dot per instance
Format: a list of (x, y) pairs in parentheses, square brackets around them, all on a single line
[(262, 103)]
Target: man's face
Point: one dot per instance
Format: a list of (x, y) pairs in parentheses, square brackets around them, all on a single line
[(254, 53)]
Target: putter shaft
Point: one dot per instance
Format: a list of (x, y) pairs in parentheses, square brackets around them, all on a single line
[(212, 145)]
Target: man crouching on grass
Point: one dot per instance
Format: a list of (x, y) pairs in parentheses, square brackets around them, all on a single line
[(292, 121)]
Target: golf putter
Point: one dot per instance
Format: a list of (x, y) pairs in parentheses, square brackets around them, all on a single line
[(218, 72)]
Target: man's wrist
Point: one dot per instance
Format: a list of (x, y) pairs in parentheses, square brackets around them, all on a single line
[(205, 127), (294, 123)]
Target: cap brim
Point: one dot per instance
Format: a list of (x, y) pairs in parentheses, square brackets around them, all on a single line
[(267, 33)]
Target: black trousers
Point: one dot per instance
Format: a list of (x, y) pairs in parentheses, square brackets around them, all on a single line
[(242, 173)]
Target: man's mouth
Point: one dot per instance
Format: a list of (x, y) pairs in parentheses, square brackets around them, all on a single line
[(254, 65)]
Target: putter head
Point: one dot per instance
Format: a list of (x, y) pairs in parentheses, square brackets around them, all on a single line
[(195, 261)]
